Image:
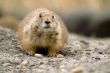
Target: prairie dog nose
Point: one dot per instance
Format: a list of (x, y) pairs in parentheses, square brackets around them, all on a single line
[(47, 22)]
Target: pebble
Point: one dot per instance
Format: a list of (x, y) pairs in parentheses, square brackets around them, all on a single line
[(24, 63), (18, 66), (63, 70), (62, 66), (78, 70), (6, 64), (20, 54), (39, 56), (60, 56), (17, 60), (44, 67)]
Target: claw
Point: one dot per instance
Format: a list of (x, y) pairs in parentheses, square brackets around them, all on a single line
[(30, 53), (52, 54)]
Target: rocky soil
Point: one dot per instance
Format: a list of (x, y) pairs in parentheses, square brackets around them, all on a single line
[(80, 55)]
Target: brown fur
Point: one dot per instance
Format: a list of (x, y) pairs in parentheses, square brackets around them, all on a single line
[(33, 34)]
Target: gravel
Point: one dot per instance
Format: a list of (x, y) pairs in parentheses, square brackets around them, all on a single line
[(90, 53)]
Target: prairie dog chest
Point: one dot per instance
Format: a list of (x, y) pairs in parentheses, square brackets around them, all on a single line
[(44, 39)]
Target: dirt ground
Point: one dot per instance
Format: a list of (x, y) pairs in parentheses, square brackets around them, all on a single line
[(91, 55)]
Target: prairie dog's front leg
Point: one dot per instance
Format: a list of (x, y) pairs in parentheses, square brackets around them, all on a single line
[(29, 48), (54, 50)]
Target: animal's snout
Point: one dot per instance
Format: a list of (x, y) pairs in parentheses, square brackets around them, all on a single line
[(47, 22)]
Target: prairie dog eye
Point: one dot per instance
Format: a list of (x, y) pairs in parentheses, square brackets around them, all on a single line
[(40, 15), (53, 16)]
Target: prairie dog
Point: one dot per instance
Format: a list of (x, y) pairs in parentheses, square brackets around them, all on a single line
[(42, 29)]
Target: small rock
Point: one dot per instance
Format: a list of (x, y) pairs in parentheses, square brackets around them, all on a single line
[(44, 67), (78, 70), (60, 56), (20, 54), (18, 66), (41, 63), (24, 63), (63, 70), (6, 64), (39, 56), (100, 52), (17, 60), (97, 58), (63, 67)]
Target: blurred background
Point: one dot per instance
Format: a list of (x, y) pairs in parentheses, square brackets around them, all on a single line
[(90, 18)]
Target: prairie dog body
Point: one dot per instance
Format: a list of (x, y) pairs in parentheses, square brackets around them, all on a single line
[(42, 29)]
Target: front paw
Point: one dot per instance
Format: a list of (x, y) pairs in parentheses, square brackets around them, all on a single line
[(52, 54), (30, 53)]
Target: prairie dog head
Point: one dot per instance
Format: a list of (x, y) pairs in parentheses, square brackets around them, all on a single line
[(45, 20)]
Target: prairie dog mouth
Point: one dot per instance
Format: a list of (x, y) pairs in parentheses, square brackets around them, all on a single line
[(47, 24)]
